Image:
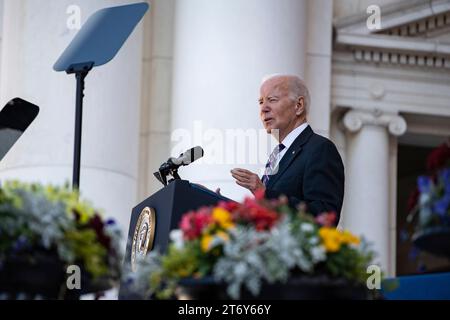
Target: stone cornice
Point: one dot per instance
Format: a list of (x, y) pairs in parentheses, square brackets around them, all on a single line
[(395, 44), (426, 27), (395, 50), (397, 15), (409, 35), (354, 120)]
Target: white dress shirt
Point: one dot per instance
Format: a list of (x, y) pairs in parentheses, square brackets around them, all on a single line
[(289, 140)]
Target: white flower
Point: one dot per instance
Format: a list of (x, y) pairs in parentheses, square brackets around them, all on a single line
[(306, 227), (240, 269), (176, 236), (313, 241), (318, 253)]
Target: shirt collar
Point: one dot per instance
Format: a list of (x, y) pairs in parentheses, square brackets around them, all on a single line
[(290, 138)]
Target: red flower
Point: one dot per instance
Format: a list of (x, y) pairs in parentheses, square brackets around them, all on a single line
[(438, 157), (327, 219), (193, 223), (254, 213), (260, 194), (97, 224), (229, 206)]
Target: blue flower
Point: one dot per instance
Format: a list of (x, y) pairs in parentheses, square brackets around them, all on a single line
[(445, 174), (129, 281), (445, 178), (441, 206), (424, 183), (404, 236)]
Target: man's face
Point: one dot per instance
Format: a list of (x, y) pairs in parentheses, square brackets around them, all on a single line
[(277, 110)]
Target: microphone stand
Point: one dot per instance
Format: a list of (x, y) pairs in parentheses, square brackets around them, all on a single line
[(167, 169), (171, 166)]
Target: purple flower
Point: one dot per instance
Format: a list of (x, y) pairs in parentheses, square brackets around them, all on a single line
[(413, 254), (422, 268), (20, 244), (424, 183)]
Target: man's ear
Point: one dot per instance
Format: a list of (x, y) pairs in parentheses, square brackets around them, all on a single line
[(300, 106)]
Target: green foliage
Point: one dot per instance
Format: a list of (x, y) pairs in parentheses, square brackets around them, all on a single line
[(87, 249), (35, 217), (349, 263), (181, 263)]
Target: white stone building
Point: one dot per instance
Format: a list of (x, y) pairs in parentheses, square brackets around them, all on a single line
[(200, 62)]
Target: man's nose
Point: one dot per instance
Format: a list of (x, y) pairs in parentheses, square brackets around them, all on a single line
[(265, 108)]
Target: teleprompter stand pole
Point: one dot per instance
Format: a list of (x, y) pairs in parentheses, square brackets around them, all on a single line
[(81, 71)]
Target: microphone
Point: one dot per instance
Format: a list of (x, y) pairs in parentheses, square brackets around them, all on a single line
[(187, 157), (170, 167)]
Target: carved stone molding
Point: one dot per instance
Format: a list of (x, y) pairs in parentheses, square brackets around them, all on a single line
[(422, 27), (354, 120), (413, 33), (411, 59)]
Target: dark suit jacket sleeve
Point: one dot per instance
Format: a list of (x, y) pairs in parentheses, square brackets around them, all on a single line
[(323, 182)]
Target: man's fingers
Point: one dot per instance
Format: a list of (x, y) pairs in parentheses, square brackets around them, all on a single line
[(246, 179), (244, 174), (239, 172), (240, 176), (243, 171), (248, 185), (242, 179), (243, 184)]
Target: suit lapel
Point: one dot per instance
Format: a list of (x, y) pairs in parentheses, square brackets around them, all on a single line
[(290, 155)]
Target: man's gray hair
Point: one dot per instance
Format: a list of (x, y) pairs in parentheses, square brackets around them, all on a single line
[(297, 88)]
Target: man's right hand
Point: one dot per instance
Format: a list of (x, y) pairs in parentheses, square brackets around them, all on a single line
[(248, 180)]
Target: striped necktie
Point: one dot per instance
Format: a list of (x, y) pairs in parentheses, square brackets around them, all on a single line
[(271, 164)]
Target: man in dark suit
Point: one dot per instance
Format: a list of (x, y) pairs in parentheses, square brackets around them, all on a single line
[(305, 167)]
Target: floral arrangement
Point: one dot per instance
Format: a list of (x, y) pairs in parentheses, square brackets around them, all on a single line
[(35, 219), (246, 245), (430, 201)]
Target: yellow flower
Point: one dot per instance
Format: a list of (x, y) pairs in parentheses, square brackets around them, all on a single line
[(206, 242), (223, 218), (331, 239), (84, 217), (183, 273), (332, 246), (326, 232), (223, 235), (349, 238)]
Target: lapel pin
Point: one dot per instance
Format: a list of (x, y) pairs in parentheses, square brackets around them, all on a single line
[(293, 152)]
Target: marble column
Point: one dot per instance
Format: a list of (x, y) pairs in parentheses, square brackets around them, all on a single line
[(222, 50), (368, 176), (35, 33), (318, 63), (154, 146)]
